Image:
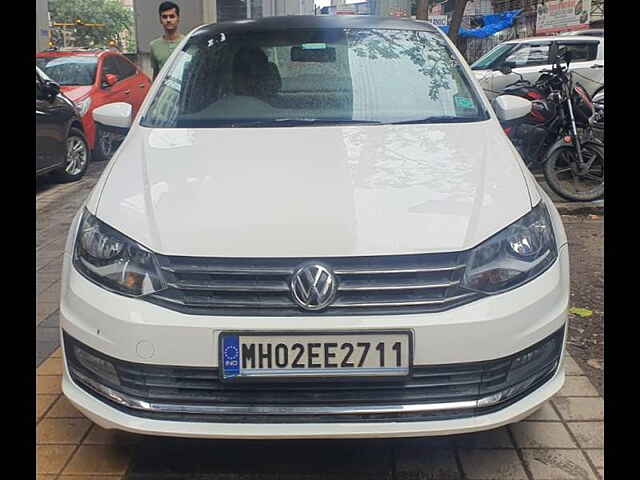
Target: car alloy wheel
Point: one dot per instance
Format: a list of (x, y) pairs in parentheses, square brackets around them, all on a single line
[(76, 155)]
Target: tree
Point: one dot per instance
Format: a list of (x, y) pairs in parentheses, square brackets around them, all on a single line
[(456, 21), (422, 10), (113, 17)]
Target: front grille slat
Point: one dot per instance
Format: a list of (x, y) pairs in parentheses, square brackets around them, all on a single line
[(365, 285), (406, 303), (227, 286), (388, 271)]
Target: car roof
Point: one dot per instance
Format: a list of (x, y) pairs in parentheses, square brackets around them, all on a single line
[(72, 53), (550, 38), (313, 21)]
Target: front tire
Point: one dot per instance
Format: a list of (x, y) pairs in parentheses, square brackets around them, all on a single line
[(561, 173), (106, 145), (76, 160)]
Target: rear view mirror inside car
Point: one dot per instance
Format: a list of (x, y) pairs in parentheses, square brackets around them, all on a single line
[(313, 52)]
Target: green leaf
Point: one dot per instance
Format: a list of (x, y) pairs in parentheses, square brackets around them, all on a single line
[(581, 312)]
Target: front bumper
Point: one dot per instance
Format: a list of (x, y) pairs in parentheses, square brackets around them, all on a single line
[(136, 331)]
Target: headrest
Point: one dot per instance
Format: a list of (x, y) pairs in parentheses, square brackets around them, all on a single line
[(259, 76)]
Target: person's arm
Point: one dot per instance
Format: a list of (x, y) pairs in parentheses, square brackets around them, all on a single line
[(154, 63)]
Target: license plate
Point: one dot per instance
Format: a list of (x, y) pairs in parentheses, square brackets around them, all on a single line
[(314, 355)]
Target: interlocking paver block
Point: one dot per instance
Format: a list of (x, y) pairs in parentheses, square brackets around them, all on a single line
[(45, 280), (414, 461), (51, 294), (44, 309), (51, 458), (576, 408), (596, 456), (51, 366), (558, 464), (61, 430), (577, 386), (43, 402), (488, 464), (48, 384), (571, 366), (545, 413), (64, 409), (588, 434), (542, 435), (99, 459), (498, 438)]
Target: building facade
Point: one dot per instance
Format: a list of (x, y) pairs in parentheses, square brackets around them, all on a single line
[(42, 25)]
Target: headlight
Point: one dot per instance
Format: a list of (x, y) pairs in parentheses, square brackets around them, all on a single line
[(83, 106), (114, 261), (513, 256)]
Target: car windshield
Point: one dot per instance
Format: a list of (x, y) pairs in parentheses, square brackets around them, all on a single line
[(489, 59), (69, 70), (313, 76)]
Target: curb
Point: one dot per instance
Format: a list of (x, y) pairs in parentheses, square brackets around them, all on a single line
[(579, 208)]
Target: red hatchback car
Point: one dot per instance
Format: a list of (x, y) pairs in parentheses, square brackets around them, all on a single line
[(91, 78)]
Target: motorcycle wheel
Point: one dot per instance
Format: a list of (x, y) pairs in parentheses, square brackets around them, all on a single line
[(561, 173)]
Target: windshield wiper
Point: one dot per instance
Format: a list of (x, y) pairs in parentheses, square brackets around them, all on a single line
[(295, 122), (323, 121), (440, 119)]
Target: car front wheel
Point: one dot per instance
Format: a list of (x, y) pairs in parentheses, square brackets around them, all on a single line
[(106, 144), (77, 158)]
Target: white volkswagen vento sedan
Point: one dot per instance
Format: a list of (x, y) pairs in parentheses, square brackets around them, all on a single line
[(315, 227)]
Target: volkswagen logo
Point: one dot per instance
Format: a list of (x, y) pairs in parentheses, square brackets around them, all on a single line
[(313, 286)]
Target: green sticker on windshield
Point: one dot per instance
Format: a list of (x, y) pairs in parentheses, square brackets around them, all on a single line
[(463, 102)]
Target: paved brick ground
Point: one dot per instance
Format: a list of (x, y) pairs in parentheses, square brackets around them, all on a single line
[(563, 440)]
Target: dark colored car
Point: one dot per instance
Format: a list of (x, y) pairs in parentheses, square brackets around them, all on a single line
[(92, 78), (61, 146)]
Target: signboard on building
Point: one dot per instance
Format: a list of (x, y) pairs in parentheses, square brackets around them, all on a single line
[(562, 16), (439, 20), (478, 7)]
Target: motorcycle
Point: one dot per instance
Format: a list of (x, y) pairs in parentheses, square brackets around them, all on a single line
[(558, 134)]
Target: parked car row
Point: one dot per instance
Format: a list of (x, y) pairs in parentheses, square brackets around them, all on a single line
[(69, 86)]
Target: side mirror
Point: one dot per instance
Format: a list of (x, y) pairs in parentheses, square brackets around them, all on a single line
[(110, 79), (51, 88), (116, 115), (510, 107), (505, 69)]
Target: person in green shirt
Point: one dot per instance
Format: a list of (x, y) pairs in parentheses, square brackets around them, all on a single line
[(162, 47)]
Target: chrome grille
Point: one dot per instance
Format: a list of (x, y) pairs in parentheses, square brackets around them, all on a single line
[(366, 285)]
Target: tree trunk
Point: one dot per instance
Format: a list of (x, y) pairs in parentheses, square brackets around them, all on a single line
[(422, 10), (456, 21)]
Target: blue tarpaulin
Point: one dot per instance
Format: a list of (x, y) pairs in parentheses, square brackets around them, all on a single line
[(492, 24)]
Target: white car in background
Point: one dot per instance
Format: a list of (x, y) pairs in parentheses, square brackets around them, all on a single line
[(528, 56)]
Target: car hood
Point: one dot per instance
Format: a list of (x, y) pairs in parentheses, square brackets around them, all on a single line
[(314, 191), (76, 92)]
